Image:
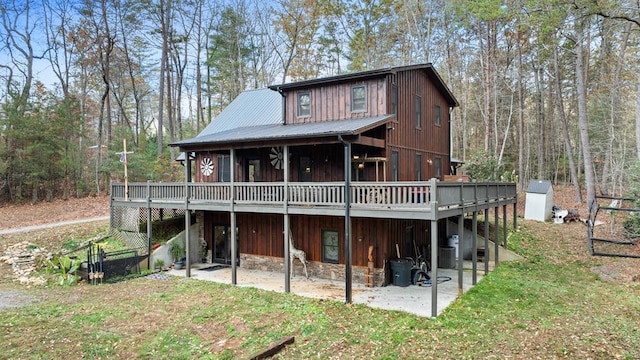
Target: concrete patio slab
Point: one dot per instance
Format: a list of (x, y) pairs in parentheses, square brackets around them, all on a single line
[(412, 299)]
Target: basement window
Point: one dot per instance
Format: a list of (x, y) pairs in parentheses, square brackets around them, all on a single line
[(330, 251)]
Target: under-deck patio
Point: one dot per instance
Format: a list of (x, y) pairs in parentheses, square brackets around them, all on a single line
[(413, 299), (429, 201)]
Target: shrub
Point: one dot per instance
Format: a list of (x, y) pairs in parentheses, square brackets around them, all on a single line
[(484, 167), (65, 267)]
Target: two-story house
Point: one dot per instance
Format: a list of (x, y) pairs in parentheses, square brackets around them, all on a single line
[(345, 168)]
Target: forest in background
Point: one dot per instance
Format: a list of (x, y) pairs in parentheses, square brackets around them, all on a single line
[(548, 89)]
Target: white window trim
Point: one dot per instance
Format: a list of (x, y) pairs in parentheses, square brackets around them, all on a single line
[(364, 108), (298, 106)]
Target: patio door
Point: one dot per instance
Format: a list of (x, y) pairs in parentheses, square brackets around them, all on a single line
[(253, 171), (222, 245)]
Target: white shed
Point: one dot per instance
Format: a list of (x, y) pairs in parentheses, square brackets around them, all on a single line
[(539, 202)]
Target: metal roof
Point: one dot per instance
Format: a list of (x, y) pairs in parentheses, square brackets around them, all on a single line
[(251, 108), (539, 187), (291, 131), (257, 115)]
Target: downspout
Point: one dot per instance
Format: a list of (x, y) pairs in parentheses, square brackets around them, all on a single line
[(451, 172), (284, 101), (347, 219)]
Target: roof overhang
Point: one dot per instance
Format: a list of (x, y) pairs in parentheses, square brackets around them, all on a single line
[(272, 134)]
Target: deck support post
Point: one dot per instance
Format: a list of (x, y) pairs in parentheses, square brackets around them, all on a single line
[(474, 247), (149, 227), (486, 241), (460, 258), (434, 265), (347, 221), (515, 215), (187, 213), (504, 226), (496, 233), (287, 269), (232, 215)]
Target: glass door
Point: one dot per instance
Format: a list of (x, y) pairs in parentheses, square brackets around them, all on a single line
[(222, 245)]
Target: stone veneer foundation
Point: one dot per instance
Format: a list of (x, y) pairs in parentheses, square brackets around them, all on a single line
[(315, 269)]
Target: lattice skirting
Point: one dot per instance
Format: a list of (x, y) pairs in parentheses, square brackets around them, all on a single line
[(130, 225)]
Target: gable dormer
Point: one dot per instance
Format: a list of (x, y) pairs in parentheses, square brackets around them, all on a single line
[(358, 95), (339, 100)]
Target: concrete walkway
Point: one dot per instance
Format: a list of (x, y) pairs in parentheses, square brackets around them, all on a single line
[(411, 299)]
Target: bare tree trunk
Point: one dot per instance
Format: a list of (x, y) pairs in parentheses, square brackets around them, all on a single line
[(61, 51), (638, 118), (506, 132), (170, 108), (583, 122), (540, 122), (164, 20), (132, 80), (106, 69), (565, 128), (19, 41), (488, 90), (520, 117), (199, 109), (607, 169)]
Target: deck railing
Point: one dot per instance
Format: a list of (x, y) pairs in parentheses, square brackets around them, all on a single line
[(362, 194)]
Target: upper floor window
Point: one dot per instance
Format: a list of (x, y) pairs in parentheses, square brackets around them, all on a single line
[(394, 165), (418, 100), (394, 101), (304, 103), (437, 116), (358, 98)]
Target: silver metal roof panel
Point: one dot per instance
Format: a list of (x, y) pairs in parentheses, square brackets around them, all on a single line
[(251, 108), (291, 131)]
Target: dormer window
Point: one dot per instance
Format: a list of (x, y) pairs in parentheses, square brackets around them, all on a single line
[(304, 104), (358, 98)]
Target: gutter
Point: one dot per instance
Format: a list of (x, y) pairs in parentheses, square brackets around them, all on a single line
[(284, 102)]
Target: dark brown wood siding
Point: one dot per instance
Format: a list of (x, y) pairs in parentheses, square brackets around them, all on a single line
[(326, 164), (198, 176), (430, 140), (262, 234), (333, 102)]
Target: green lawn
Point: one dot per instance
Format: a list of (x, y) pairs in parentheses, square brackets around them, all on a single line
[(550, 305)]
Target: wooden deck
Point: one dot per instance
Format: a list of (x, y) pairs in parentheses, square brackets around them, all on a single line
[(425, 200)]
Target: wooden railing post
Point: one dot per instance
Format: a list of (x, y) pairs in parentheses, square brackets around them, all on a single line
[(149, 227)]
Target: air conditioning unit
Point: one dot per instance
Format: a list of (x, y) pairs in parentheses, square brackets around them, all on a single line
[(447, 257)]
